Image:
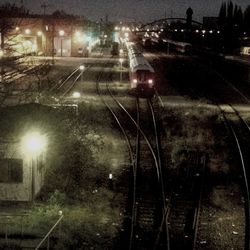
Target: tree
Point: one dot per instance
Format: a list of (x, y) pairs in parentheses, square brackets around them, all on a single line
[(222, 16), (7, 25), (247, 19), (231, 24)]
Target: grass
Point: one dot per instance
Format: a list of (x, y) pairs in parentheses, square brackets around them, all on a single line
[(80, 157)]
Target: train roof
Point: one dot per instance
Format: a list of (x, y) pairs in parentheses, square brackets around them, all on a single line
[(140, 63), (136, 58)]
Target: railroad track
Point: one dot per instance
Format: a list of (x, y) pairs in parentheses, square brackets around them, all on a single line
[(240, 131), (147, 216), (66, 84), (185, 202)]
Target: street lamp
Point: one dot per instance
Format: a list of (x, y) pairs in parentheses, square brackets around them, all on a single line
[(121, 52), (61, 34), (27, 31), (82, 68), (33, 145), (121, 61)]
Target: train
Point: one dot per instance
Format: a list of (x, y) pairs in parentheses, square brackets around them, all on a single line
[(181, 47), (142, 74)]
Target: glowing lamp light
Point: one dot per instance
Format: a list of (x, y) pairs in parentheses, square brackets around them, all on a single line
[(34, 143), (81, 67), (78, 33), (135, 81), (61, 32), (27, 31), (203, 31), (76, 95), (197, 31), (39, 33), (17, 28)]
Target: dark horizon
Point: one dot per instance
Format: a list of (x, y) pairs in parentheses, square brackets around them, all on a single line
[(128, 10)]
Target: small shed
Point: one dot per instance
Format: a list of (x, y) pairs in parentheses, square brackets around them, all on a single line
[(21, 175)]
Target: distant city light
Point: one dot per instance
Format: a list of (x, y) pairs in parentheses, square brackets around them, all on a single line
[(197, 31), (27, 31), (78, 33), (61, 32), (203, 31), (211, 32)]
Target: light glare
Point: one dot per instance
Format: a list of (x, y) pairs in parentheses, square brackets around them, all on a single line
[(34, 143)]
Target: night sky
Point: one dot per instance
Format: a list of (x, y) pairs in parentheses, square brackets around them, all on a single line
[(134, 10)]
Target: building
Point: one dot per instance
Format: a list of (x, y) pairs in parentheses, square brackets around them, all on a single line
[(21, 176), (49, 36)]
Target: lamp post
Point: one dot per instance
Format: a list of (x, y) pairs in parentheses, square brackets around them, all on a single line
[(33, 145), (121, 61), (61, 33), (2, 69), (82, 68)]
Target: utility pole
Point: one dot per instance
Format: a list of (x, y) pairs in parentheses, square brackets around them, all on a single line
[(45, 6)]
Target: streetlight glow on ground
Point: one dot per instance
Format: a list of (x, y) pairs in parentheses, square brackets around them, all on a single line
[(76, 95), (34, 143), (81, 67)]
